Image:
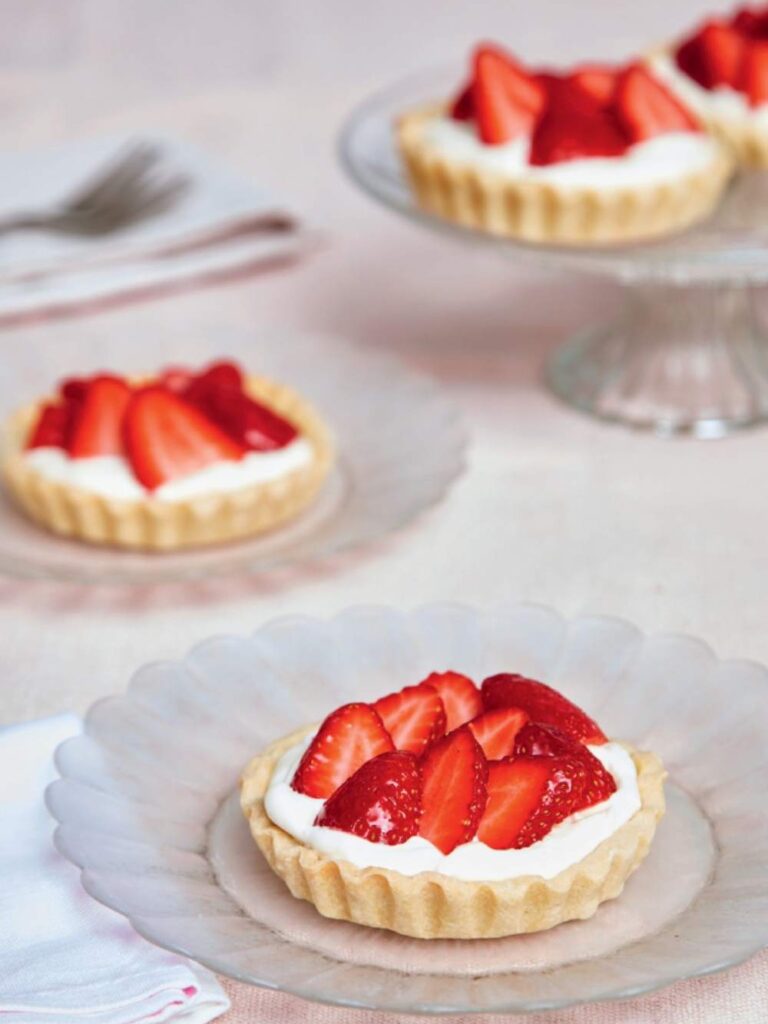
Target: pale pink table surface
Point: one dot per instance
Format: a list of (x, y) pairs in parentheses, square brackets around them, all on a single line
[(554, 508)]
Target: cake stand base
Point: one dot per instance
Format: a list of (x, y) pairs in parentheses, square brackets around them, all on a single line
[(680, 359)]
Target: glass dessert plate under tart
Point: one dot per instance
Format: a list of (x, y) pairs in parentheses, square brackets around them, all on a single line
[(375, 408), (689, 353), (148, 808)]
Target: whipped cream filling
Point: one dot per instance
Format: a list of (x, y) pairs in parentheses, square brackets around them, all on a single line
[(723, 101), (567, 843), (664, 158), (111, 476)]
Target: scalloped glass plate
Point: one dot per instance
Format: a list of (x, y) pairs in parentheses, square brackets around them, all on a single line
[(376, 408), (147, 807)]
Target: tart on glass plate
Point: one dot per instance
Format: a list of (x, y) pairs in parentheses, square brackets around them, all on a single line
[(599, 154), (721, 71), (180, 459), (451, 811)]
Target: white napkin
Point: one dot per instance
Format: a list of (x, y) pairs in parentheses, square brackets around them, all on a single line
[(215, 228), (64, 958)]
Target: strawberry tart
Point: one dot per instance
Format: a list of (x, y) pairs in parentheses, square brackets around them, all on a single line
[(177, 460), (721, 72), (598, 155), (451, 811)]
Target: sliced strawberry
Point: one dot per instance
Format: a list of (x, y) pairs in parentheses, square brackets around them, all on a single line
[(496, 730), (754, 80), (461, 698), (453, 775), (381, 802), (536, 740), (752, 22), (542, 703), (167, 438), (97, 428), (507, 99), (177, 379), (51, 428), (349, 736), (74, 389), (515, 789), (713, 56), (646, 108), (413, 717), (254, 425), (528, 796), (572, 128), (463, 106), (596, 81)]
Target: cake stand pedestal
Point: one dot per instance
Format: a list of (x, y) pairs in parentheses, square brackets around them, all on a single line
[(687, 354)]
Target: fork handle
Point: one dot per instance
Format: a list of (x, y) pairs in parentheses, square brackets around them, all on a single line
[(24, 222)]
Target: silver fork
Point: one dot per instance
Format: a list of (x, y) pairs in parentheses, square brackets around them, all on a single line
[(130, 189)]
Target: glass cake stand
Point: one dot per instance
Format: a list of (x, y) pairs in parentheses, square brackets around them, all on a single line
[(688, 353)]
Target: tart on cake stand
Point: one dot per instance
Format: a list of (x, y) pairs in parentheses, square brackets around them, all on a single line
[(686, 355)]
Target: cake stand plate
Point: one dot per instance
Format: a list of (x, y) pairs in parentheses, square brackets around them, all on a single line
[(148, 808), (688, 354)]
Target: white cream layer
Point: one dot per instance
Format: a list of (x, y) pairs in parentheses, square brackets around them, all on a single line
[(567, 843), (111, 476), (664, 158), (722, 102)]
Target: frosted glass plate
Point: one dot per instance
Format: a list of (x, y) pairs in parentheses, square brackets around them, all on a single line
[(148, 810), (378, 410)]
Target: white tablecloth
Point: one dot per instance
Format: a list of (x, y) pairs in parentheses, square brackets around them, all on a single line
[(554, 508)]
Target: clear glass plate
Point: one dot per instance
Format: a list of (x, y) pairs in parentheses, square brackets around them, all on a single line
[(147, 807), (688, 355), (376, 408)]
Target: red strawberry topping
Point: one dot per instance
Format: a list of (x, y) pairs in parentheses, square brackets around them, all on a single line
[(413, 717), (349, 736), (536, 740), (574, 127), (97, 428), (463, 106), (51, 429), (528, 796), (454, 773), (713, 56), (496, 731), (543, 705), (646, 108), (506, 98), (461, 698), (167, 438), (381, 802), (595, 81), (755, 73)]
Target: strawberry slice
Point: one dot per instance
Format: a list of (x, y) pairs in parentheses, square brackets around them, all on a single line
[(463, 106), (528, 796), (575, 126), (754, 80), (51, 429), (254, 425), (461, 698), (515, 789), (496, 731), (536, 740), (167, 438), (752, 22), (542, 703), (381, 802), (646, 108), (596, 81), (713, 56), (453, 776), (349, 736), (414, 717), (507, 99), (97, 428)]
